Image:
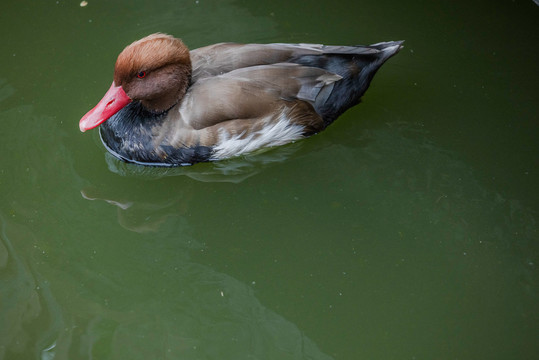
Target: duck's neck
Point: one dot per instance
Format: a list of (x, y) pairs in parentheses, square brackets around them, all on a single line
[(170, 96)]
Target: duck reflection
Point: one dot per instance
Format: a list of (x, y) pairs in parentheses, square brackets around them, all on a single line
[(139, 215), (233, 170), (147, 210)]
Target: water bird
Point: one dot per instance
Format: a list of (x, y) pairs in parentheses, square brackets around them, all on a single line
[(168, 106)]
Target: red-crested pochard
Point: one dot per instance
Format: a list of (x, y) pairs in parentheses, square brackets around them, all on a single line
[(169, 106)]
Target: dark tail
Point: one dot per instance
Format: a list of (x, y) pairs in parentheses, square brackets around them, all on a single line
[(357, 66)]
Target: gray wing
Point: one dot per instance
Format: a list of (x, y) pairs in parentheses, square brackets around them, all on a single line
[(222, 58)]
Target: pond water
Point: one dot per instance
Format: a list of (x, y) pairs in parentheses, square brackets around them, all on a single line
[(406, 230)]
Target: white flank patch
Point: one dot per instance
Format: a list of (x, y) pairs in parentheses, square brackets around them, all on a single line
[(273, 134)]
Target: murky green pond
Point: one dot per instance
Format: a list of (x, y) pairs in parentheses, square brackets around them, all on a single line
[(406, 230)]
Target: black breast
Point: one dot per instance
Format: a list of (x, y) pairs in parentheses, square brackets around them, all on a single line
[(128, 136)]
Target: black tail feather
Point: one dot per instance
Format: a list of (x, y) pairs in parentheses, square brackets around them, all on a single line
[(357, 66)]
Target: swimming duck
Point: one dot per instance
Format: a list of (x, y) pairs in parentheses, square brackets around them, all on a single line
[(169, 106)]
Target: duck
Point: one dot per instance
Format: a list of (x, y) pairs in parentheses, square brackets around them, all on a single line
[(171, 106)]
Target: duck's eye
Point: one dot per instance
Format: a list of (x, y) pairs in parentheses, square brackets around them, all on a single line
[(141, 74)]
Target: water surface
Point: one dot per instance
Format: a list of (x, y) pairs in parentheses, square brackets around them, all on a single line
[(406, 230)]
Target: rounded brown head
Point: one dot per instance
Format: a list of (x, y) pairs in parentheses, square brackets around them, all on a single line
[(155, 70)]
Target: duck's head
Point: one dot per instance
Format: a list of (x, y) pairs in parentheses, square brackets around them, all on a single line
[(154, 70)]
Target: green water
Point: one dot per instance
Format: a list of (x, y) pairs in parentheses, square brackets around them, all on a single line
[(406, 230)]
